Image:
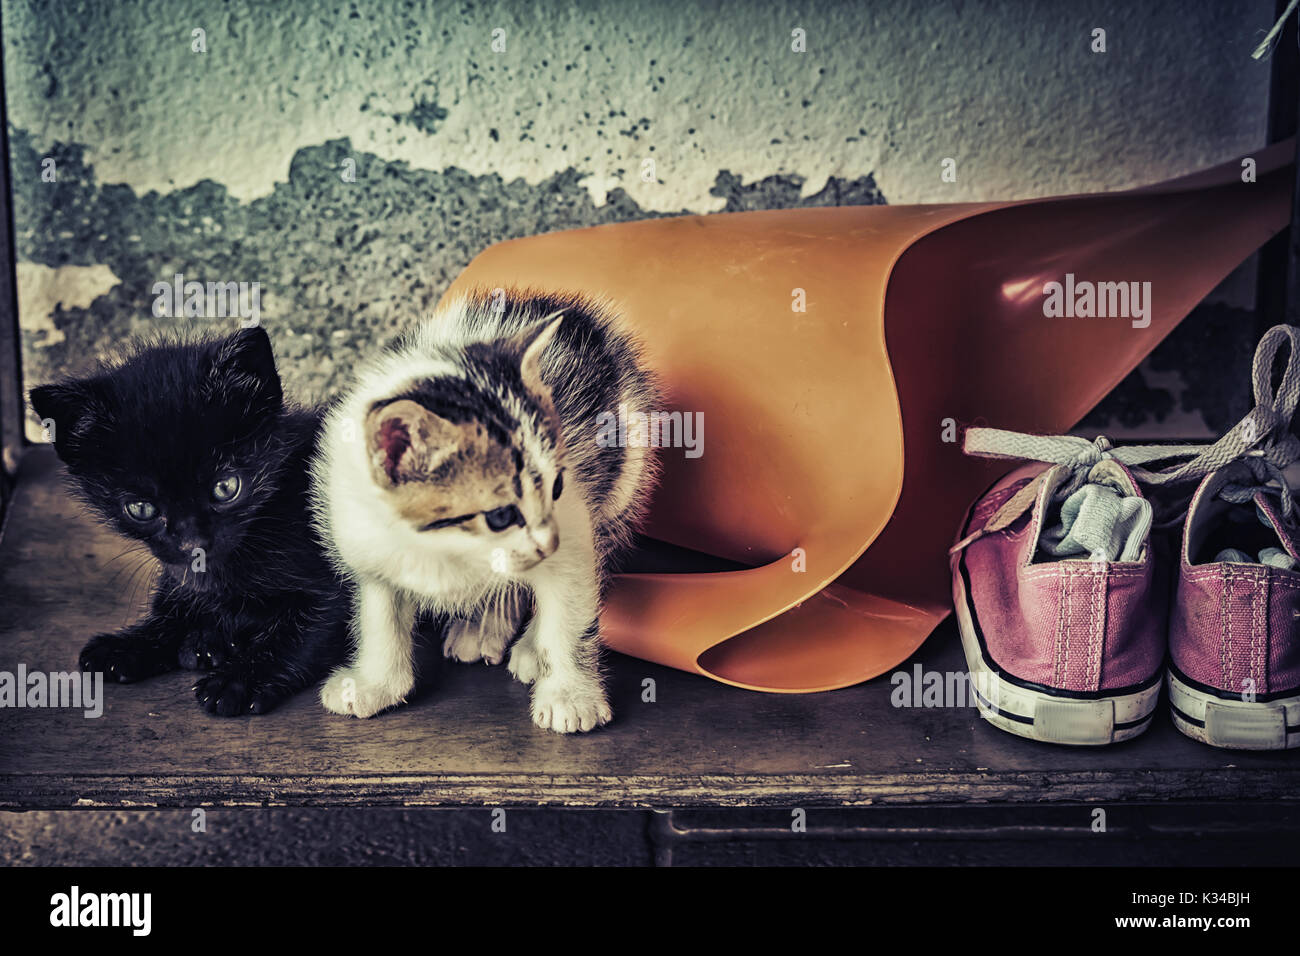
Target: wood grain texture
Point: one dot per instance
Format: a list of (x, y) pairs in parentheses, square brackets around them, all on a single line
[(466, 738)]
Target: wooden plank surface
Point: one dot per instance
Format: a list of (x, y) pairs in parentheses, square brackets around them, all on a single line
[(466, 739)]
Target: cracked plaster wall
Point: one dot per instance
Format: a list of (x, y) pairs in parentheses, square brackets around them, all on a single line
[(226, 165)]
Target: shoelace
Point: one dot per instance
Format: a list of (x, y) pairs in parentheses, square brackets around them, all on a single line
[(1262, 441)]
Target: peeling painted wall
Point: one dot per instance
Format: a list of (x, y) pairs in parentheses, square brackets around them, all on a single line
[(220, 140)]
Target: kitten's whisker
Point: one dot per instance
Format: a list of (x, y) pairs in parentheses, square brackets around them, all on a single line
[(133, 548), (133, 588), (130, 569), (128, 554)]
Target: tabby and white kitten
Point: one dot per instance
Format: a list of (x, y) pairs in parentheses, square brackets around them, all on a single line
[(462, 475)]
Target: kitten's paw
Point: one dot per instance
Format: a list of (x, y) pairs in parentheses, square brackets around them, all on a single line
[(346, 692), (524, 663), (570, 707), (122, 659), (230, 692), (484, 640), (202, 650)]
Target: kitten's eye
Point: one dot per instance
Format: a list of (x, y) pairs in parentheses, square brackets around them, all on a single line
[(226, 489), (141, 511), (559, 487), (503, 518)]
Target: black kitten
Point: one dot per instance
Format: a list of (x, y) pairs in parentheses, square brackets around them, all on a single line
[(190, 448)]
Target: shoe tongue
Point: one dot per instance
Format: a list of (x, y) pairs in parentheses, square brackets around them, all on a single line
[(1099, 522)]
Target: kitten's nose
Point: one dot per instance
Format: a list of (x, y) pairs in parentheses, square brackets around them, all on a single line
[(190, 538), (547, 539)]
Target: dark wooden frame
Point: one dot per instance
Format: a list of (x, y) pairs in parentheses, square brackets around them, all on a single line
[(1278, 297), (11, 394)]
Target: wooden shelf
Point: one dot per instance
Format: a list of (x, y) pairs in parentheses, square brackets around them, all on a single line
[(466, 739)]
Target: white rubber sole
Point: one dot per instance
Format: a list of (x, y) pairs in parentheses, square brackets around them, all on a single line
[(1231, 723), (1092, 721)]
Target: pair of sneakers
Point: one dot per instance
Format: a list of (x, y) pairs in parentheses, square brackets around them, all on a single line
[(1073, 609)]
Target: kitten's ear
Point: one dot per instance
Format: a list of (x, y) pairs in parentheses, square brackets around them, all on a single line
[(69, 406), (245, 363), (406, 442), (533, 342)]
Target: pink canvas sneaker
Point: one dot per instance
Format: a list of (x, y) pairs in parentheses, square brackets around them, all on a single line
[(1061, 596), (1234, 638), (1060, 599)]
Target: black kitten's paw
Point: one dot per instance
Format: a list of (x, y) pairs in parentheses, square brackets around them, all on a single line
[(123, 659), (230, 692), (203, 650)]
